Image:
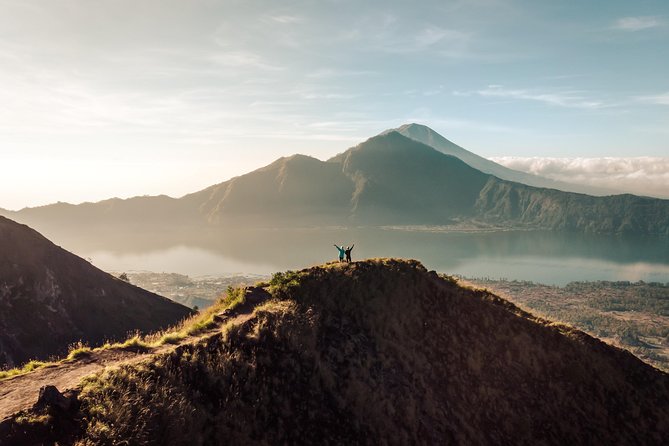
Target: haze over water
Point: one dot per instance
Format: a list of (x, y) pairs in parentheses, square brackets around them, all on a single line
[(543, 257)]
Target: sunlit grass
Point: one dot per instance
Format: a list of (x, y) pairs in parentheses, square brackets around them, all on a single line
[(28, 367), (193, 326)]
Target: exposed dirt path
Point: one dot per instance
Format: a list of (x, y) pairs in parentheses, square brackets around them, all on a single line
[(21, 392)]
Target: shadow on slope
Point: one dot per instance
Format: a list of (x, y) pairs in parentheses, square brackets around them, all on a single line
[(50, 298)]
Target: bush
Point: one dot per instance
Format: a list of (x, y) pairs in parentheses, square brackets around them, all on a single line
[(78, 350)]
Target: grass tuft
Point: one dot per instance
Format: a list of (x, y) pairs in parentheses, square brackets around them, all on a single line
[(171, 338), (136, 342), (28, 367), (78, 350)]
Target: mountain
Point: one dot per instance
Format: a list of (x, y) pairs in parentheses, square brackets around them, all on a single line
[(297, 189), (50, 298), (514, 204), (391, 180), (398, 180), (375, 352), (387, 180), (433, 139), (156, 211)]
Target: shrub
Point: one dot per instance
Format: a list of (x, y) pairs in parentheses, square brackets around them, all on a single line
[(78, 350)]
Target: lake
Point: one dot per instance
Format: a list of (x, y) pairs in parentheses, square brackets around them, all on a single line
[(545, 257)]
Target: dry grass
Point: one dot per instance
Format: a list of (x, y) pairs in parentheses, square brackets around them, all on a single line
[(379, 352), (634, 316), (78, 351), (192, 326), (26, 368)]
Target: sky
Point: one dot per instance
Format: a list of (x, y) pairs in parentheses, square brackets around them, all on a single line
[(131, 97)]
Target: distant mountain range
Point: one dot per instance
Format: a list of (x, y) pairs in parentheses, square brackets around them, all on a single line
[(390, 179), (50, 298)]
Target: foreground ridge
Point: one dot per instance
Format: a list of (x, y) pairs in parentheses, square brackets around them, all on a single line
[(378, 351)]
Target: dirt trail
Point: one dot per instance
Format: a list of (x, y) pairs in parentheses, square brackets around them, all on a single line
[(21, 392)]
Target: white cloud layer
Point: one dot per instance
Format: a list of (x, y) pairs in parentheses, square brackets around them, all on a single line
[(637, 23), (660, 99), (641, 175)]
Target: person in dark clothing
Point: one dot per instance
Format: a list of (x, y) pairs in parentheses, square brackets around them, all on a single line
[(348, 253)]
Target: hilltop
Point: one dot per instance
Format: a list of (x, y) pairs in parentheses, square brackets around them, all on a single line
[(50, 298), (375, 352)]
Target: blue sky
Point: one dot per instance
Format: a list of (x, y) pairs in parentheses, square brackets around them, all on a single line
[(121, 98)]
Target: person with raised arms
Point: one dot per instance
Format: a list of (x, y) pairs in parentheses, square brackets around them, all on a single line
[(342, 252)]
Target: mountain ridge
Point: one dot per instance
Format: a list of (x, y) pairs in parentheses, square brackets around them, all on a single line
[(379, 351), (51, 298), (389, 179)]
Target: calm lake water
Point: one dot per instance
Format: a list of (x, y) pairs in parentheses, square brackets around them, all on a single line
[(551, 258)]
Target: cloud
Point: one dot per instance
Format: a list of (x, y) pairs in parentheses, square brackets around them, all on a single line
[(637, 23), (569, 99), (236, 59), (329, 96), (641, 175), (430, 36), (334, 73), (661, 99), (286, 19), (446, 42)]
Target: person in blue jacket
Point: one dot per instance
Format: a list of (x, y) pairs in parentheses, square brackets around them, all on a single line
[(342, 252)]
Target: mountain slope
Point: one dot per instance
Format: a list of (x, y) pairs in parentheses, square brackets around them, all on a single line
[(50, 298), (389, 179), (386, 178), (402, 181), (379, 352), (157, 211), (431, 138), (297, 189), (515, 204)]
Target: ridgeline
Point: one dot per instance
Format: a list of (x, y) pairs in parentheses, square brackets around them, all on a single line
[(395, 178), (374, 352)]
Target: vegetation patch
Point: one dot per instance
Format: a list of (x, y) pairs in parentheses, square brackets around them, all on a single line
[(26, 368), (193, 326), (233, 298), (79, 353), (171, 338)]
